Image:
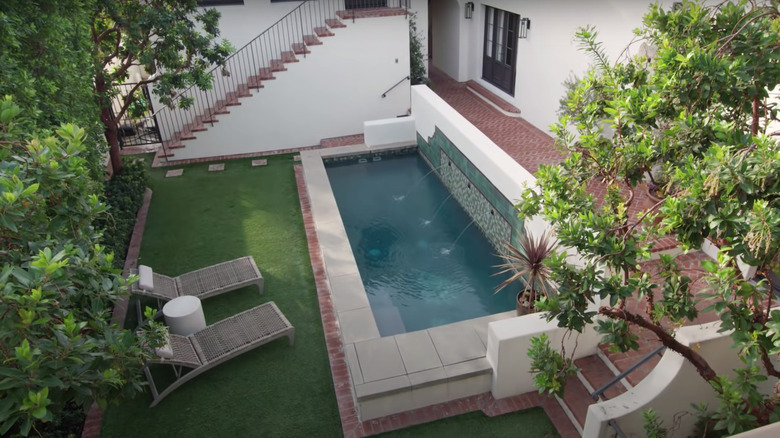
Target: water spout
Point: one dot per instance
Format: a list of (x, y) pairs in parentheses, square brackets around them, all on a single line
[(402, 197), (446, 251)]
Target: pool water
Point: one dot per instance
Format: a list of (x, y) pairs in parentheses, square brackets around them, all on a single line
[(422, 261)]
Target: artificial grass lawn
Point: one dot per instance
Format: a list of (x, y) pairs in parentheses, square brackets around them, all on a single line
[(276, 390), (528, 423)]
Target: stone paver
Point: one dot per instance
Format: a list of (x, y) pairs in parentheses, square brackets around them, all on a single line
[(174, 173), (216, 167)]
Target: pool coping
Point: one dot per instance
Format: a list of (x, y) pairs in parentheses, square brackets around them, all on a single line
[(400, 364)]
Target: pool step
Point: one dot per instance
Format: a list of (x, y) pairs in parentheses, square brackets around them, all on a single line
[(417, 390)]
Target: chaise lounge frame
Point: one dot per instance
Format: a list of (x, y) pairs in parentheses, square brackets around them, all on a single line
[(220, 342), (202, 283)]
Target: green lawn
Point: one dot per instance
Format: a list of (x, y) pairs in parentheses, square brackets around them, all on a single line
[(203, 218)]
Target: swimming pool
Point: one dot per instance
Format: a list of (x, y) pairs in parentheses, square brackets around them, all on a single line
[(422, 260)]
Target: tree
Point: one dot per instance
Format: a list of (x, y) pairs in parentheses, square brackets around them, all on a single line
[(692, 120), (46, 65), (170, 39), (57, 285)]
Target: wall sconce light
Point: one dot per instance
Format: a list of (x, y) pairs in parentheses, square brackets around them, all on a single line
[(525, 24), (469, 10)]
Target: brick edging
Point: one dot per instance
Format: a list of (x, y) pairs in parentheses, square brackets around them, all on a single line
[(351, 425), (94, 417)]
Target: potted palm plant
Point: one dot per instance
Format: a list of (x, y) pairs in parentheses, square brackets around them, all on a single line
[(526, 263)]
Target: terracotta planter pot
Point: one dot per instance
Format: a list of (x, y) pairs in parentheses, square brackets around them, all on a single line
[(523, 306)]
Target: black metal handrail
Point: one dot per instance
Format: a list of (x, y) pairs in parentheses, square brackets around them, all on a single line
[(599, 392), (407, 78), (247, 67)]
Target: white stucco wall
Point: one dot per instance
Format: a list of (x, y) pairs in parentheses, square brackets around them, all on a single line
[(239, 24), (546, 57), (329, 93), (671, 387)]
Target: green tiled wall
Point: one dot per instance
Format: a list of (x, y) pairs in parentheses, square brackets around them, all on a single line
[(492, 211)]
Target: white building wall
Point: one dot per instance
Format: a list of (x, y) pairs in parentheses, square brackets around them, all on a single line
[(546, 58), (328, 94), (239, 24)]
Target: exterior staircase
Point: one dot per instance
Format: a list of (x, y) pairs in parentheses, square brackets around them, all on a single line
[(596, 373), (256, 63)]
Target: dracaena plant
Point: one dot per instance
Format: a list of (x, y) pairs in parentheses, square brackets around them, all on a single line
[(527, 263)]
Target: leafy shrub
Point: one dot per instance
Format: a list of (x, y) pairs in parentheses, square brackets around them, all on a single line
[(57, 284), (124, 194), (416, 57)]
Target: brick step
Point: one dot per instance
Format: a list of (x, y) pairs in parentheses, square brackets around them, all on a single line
[(266, 74), (598, 374), (300, 49), (243, 91), (311, 40), (334, 23), (323, 32), (289, 56), (577, 399), (255, 82), (277, 65)]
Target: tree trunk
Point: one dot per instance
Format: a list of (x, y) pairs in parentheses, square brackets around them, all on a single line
[(111, 132), (702, 367)]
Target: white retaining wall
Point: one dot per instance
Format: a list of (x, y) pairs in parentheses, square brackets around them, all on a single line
[(508, 340), (328, 94), (669, 389)]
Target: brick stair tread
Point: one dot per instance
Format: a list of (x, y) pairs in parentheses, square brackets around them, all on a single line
[(577, 399), (289, 57), (334, 23), (598, 374), (266, 74), (300, 49), (277, 65), (255, 82), (311, 40), (323, 32)]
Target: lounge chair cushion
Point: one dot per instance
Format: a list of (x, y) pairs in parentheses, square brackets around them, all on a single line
[(146, 282)]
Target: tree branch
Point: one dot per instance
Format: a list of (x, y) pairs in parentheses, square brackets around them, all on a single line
[(702, 367)]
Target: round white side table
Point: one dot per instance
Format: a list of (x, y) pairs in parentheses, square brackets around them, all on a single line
[(184, 315)]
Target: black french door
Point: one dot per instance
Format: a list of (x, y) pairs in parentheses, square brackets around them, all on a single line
[(499, 61)]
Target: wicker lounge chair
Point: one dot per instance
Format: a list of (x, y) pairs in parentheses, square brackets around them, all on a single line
[(202, 283), (219, 343)]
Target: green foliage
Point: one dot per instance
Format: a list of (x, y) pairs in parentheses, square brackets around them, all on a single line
[(653, 424), (124, 194), (551, 368), (527, 263), (691, 120), (46, 65), (57, 286), (174, 41), (417, 59)]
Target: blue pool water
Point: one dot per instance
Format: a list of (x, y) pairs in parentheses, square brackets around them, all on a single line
[(422, 261)]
